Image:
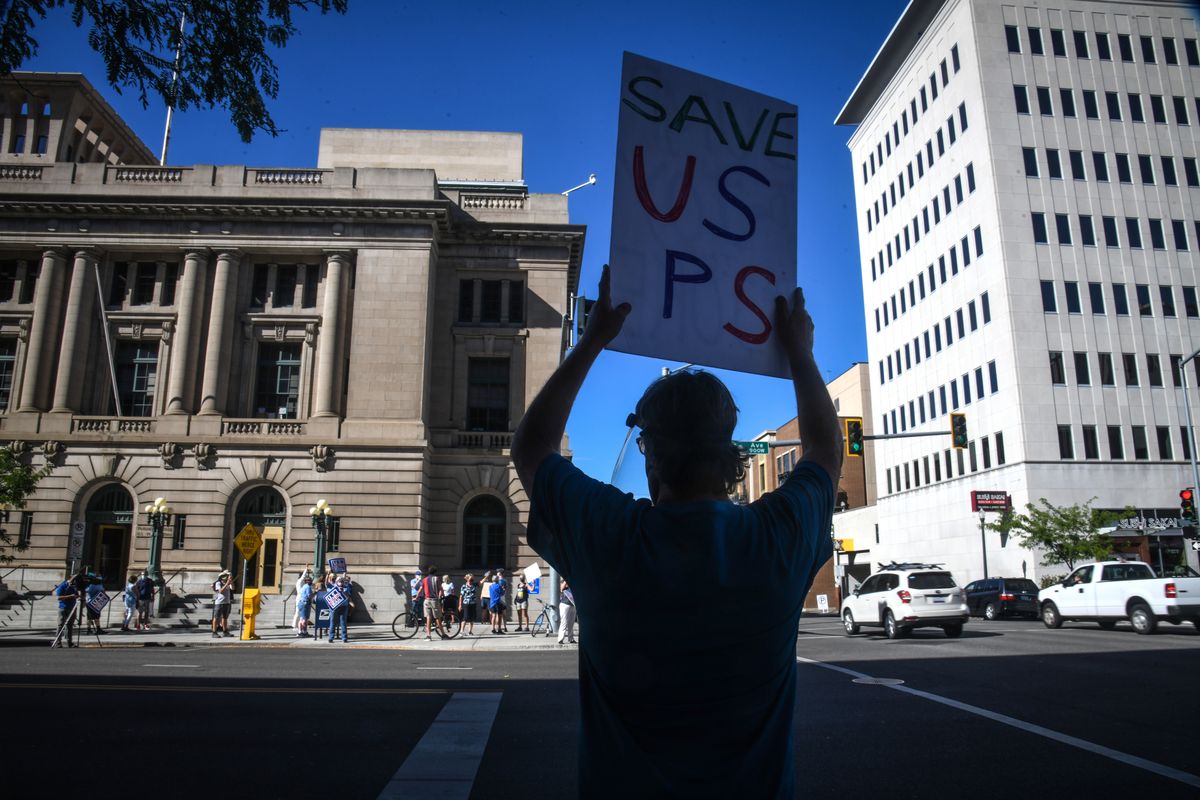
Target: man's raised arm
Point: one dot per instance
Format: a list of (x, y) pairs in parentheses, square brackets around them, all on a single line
[(541, 430), (815, 413)]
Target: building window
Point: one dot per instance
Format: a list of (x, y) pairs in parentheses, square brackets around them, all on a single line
[(1081, 44), (119, 285), (277, 385), (1035, 41), (1066, 98), (178, 531), (487, 394), (1049, 301), (25, 536), (1013, 38), (1083, 376), (146, 276), (1141, 450), (1103, 50), (1129, 363), (1062, 224), (1066, 445), (1109, 224), (1116, 443), (137, 367), (8, 359), (1073, 305), (466, 301), (312, 274), (284, 295), (1053, 164), (1146, 169), (1179, 234), (1058, 375), (1100, 166), (1193, 53), (1091, 108), (1031, 164), (166, 296), (1087, 231), (993, 381), (1058, 44), (1113, 102), (1165, 452), (1133, 231), (1135, 108), (1077, 171), (1189, 302), (1154, 369), (1176, 361), (1148, 50), (1143, 300), (1169, 52), (1190, 173), (1107, 374), (999, 449), (1039, 228), (1096, 296), (258, 286), (8, 280), (1021, 98), (484, 533), (1091, 444), (1120, 300), (1167, 295), (1124, 173)]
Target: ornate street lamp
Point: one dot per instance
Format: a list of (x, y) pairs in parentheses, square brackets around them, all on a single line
[(158, 516), (320, 514)]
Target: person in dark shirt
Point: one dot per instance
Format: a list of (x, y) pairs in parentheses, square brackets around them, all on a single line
[(676, 711)]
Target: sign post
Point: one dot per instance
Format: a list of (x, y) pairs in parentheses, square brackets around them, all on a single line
[(75, 545), (248, 540), (704, 218), (983, 502)]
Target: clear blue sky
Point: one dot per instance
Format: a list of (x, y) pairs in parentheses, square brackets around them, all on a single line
[(551, 71)]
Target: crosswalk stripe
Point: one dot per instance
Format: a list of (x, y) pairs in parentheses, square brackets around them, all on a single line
[(444, 762)]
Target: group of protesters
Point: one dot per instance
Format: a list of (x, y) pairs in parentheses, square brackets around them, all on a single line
[(85, 587), (441, 603)]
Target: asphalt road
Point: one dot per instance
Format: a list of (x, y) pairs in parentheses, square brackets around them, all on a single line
[(1009, 710)]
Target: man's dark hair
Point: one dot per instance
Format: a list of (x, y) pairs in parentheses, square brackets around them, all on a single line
[(687, 420)]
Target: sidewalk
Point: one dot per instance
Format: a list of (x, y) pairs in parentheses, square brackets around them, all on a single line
[(376, 636)]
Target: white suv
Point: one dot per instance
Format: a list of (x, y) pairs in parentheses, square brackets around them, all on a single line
[(901, 597)]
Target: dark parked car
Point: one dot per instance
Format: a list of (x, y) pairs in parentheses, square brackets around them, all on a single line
[(993, 598)]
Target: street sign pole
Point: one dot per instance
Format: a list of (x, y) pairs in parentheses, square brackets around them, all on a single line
[(983, 540)]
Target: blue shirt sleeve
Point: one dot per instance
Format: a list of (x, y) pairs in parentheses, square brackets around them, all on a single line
[(576, 521), (806, 498)]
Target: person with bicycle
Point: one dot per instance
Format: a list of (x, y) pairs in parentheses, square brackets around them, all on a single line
[(684, 710), (430, 596)]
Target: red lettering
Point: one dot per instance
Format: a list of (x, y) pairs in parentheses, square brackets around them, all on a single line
[(643, 192), (740, 291)]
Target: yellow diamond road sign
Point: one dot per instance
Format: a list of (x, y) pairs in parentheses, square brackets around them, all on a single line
[(248, 540)]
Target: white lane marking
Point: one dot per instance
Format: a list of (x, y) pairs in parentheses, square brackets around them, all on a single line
[(174, 666), (444, 762), (445, 668), (1091, 747)]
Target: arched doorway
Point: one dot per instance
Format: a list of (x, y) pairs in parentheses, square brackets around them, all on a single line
[(263, 507), (485, 533), (109, 518)]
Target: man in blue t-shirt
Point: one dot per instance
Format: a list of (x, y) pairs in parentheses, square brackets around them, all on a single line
[(67, 593), (674, 710)]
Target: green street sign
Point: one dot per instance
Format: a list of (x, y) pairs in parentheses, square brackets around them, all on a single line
[(755, 448)]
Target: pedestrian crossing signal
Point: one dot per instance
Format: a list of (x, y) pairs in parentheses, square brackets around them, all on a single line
[(854, 437), (958, 430)]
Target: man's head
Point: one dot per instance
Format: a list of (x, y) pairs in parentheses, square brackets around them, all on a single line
[(687, 420), (431, 569)]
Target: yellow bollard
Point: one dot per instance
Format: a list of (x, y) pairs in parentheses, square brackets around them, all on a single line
[(251, 603)]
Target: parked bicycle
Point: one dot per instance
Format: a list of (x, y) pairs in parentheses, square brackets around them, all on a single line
[(408, 622), (546, 623)]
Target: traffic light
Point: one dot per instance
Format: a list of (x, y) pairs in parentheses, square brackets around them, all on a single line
[(585, 313), (1187, 506), (854, 437), (958, 430)]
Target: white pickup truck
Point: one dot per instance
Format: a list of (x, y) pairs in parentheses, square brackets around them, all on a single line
[(1110, 591)]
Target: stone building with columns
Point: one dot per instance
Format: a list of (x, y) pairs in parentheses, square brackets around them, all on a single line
[(244, 341)]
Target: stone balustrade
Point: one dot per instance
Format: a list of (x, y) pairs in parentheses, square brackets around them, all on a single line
[(284, 177), (493, 202), (147, 174), (112, 424), (15, 172)]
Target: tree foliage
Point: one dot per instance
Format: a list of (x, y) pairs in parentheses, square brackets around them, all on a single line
[(224, 59), (1065, 534), (17, 482)]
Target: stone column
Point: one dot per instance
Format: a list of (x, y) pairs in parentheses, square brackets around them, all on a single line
[(41, 333), (331, 323), (77, 325), (183, 353), (220, 326)]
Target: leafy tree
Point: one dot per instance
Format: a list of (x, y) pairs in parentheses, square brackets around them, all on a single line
[(17, 482), (224, 59), (1066, 534)]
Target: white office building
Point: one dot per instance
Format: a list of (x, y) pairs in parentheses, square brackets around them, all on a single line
[(1027, 198)]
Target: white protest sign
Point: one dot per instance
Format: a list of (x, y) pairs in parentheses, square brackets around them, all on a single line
[(334, 598), (823, 603), (704, 218), (98, 602), (532, 572)]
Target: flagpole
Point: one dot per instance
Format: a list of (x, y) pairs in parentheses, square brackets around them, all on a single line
[(162, 159)]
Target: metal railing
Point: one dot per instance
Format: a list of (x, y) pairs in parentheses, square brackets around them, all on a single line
[(21, 567)]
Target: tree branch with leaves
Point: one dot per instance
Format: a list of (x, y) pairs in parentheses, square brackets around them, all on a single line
[(1065, 534), (224, 59), (17, 482)]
